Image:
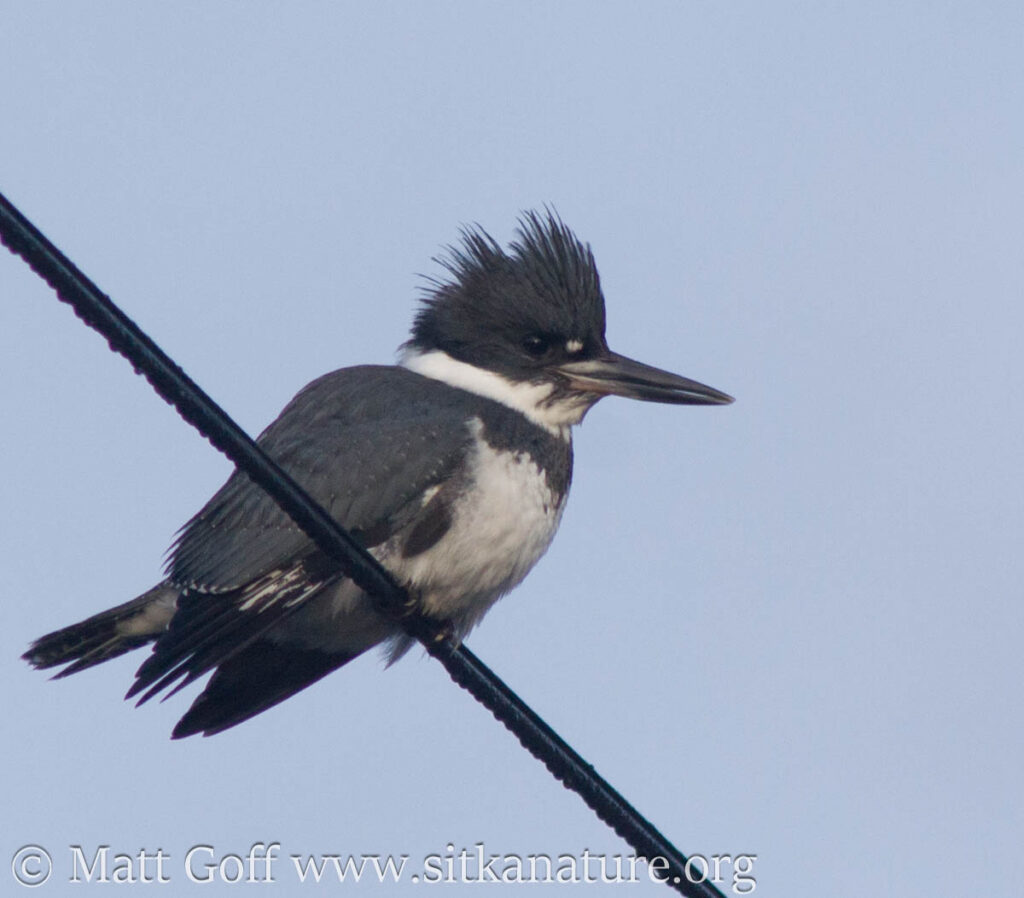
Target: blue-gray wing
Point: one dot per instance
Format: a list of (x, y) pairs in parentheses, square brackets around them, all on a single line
[(365, 442)]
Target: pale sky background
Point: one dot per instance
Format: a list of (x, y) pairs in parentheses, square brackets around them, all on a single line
[(790, 628)]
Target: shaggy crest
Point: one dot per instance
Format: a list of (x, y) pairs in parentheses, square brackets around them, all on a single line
[(547, 271)]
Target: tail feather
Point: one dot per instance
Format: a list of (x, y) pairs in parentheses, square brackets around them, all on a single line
[(107, 634), (252, 673), (258, 677)]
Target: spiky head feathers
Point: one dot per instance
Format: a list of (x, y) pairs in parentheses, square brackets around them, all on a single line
[(502, 308)]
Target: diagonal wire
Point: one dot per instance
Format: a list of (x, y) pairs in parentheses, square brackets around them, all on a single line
[(123, 335)]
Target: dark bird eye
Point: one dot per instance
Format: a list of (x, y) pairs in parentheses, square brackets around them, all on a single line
[(536, 345)]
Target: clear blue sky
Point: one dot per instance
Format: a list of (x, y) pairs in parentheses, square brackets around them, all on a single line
[(789, 628)]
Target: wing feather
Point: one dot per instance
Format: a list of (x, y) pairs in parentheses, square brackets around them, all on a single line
[(367, 443), (343, 441)]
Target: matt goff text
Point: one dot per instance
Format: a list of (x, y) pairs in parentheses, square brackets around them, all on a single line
[(263, 862)]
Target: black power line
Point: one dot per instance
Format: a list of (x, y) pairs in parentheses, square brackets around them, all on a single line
[(123, 335)]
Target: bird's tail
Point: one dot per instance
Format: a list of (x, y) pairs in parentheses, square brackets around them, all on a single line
[(107, 634)]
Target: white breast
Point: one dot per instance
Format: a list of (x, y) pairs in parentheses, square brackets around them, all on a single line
[(500, 529)]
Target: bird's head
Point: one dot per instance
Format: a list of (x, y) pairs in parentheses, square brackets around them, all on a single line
[(526, 326)]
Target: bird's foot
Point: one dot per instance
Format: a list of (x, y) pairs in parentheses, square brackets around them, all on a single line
[(445, 631)]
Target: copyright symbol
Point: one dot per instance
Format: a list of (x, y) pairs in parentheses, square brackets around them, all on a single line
[(31, 865)]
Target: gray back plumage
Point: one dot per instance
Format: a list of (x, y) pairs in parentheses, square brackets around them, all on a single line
[(365, 442)]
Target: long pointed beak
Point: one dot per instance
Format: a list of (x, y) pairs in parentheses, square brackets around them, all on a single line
[(615, 375)]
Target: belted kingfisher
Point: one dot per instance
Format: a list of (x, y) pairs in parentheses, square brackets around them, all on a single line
[(451, 468)]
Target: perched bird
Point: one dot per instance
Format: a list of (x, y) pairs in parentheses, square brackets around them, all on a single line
[(451, 468)]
